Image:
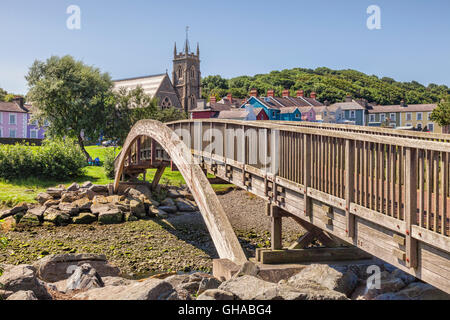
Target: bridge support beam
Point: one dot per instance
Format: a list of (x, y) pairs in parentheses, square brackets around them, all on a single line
[(159, 173), (276, 228)]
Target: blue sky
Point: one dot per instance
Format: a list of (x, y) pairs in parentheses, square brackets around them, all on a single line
[(246, 37)]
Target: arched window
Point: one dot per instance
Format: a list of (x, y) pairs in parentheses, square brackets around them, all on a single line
[(166, 103), (180, 72), (192, 72)]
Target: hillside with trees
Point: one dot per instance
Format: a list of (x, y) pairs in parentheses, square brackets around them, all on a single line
[(331, 85)]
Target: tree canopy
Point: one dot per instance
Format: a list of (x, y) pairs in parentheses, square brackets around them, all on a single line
[(331, 85), (441, 114), (71, 95)]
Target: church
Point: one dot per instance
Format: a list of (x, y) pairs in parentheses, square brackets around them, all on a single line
[(183, 91)]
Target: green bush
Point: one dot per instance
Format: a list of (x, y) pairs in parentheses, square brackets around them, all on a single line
[(54, 159), (108, 163)]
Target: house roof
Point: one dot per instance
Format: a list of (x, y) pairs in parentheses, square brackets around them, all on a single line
[(399, 108), (150, 84), (12, 107), (353, 105), (213, 107), (233, 114), (234, 101)]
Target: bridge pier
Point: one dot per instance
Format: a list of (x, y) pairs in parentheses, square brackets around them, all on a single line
[(276, 228)]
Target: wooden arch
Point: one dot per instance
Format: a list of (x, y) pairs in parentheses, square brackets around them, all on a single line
[(222, 234)]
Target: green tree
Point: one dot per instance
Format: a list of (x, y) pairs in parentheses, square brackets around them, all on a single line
[(441, 114), (71, 95), (3, 93)]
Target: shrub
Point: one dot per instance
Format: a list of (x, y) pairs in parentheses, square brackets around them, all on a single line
[(54, 159), (108, 163)]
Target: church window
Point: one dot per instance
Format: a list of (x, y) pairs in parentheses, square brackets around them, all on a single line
[(180, 72), (166, 103), (193, 72)]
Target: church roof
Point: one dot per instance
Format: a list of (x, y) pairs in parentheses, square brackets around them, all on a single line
[(150, 84)]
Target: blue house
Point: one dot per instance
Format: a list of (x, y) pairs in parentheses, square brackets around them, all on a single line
[(353, 111), (271, 109)]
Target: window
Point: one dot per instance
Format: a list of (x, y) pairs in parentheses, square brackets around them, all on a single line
[(382, 117), (180, 72), (352, 114), (192, 72), (34, 123), (12, 118), (325, 113), (297, 115), (392, 116), (12, 133), (419, 116), (409, 116), (33, 134), (409, 125), (419, 126), (166, 103), (431, 127), (372, 118), (273, 113)]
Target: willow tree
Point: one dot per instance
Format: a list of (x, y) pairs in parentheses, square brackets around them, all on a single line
[(71, 96)]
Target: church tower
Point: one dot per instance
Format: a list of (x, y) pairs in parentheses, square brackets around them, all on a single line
[(186, 77)]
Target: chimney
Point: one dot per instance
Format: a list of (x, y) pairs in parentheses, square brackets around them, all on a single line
[(271, 93), (348, 98), (230, 98), (286, 93), (403, 104), (212, 99), (300, 94), (19, 100), (253, 93), (313, 95)]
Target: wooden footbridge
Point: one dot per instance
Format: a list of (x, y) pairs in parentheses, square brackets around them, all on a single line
[(381, 190)]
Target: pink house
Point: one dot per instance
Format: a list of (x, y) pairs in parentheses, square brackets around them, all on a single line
[(13, 119)]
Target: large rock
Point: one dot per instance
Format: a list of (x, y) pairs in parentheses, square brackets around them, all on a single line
[(73, 187), (406, 277), (69, 197), (98, 208), (86, 193), (84, 278), (22, 296), (85, 218), (51, 203), (99, 188), (55, 268), (69, 208), (38, 211), (168, 209), (56, 193), (57, 217), (168, 202), (83, 204), (336, 279), (248, 268), (208, 284), (86, 185), (416, 291), (10, 212), (23, 278), (250, 288), (43, 197), (151, 289), (215, 294), (186, 206), (388, 283), (30, 219), (112, 216), (117, 281), (137, 209), (307, 290)]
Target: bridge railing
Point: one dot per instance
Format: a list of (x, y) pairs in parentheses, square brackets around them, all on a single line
[(399, 182)]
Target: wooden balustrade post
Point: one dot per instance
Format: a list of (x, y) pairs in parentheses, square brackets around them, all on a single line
[(307, 166), (276, 228), (411, 205), (349, 185), (138, 150)]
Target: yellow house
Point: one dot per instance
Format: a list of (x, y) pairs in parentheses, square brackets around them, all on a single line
[(418, 116)]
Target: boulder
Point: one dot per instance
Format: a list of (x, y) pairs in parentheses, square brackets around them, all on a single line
[(99, 199), (307, 290), (10, 212), (85, 218), (85, 277), (137, 208), (83, 204), (162, 214), (51, 203), (186, 206), (117, 281), (174, 194), (69, 208), (337, 279), (151, 289), (113, 216), (98, 208), (55, 192), (144, 190), (8, 224), (73, 187), (69, 197), (4, 294), (416, 291), (57, 217), (86, 193), (406, 277), (43, 197), (207, 284), (248, 268), (168, 209), (86, 185), (132, 193), (30, 220), (37, 211), (128, 216), (23, 278), (168, 202), (215, 294), (388, 283), (250, 288), (54, 268), (23, 296), (99, 188)]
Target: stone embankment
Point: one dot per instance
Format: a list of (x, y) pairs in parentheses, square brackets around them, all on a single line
[(91, 277), (89, 203)]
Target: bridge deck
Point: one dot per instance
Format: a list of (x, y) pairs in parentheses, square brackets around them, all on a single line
[(384, 191)]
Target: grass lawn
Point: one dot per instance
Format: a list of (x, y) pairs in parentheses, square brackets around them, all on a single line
[(26, 189)]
